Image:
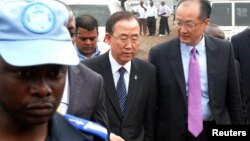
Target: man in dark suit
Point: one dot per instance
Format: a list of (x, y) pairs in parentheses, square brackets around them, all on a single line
[(84, 93), (241, 46), (87, 95), (215, 31), (136, 122), (217, 83)]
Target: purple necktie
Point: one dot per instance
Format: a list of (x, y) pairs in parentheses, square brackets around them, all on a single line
[(195, 123)]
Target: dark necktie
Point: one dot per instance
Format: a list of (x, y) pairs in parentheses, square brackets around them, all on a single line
[(195, 125), (121, 90)]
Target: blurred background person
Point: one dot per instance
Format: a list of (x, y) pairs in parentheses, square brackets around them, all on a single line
[(215, 31), (241, 46), (151, 18), (141, 9), (86, 37), (164, 13), (84, 94)]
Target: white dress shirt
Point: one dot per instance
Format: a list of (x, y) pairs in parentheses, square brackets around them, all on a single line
[(115, 66)]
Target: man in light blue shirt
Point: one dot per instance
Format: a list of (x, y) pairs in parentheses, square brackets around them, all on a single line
[(87, 37), (210, 64)]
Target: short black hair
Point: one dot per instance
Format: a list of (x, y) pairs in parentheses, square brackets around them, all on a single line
[(205, 8), (118, 16), (87, 22)]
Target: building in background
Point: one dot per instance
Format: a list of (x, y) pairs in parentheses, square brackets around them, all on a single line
[(232, 16)]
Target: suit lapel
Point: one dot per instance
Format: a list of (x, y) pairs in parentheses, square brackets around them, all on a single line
[(248, 40), (212, 60), (109, 84), (74, 86), (177, 67), (134, 80)]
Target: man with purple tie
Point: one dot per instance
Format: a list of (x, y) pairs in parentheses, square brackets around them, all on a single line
[(197, 78)]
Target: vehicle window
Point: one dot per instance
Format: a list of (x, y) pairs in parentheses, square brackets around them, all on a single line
[(221, 14), (118, 7), (100, 12), (242, 14)]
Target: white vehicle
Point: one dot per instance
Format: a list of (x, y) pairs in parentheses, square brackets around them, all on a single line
[(232, 16), (100, 9)]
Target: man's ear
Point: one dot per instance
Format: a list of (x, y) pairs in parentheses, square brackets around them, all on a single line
[(106, 38), (207, 22)]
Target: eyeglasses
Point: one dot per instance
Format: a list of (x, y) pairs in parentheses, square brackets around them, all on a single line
[(188, 25), (125, 39)]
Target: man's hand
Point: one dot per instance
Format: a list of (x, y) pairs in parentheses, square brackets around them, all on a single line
[(114, 137)]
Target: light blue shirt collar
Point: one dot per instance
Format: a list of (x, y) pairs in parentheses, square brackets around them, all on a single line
[(83, 57), (200, 48)]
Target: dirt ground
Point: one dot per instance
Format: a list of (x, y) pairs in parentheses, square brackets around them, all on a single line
[(146, 42)]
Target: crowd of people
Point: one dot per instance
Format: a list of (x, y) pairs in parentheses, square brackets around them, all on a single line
[(147, 16), (53, 73)]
